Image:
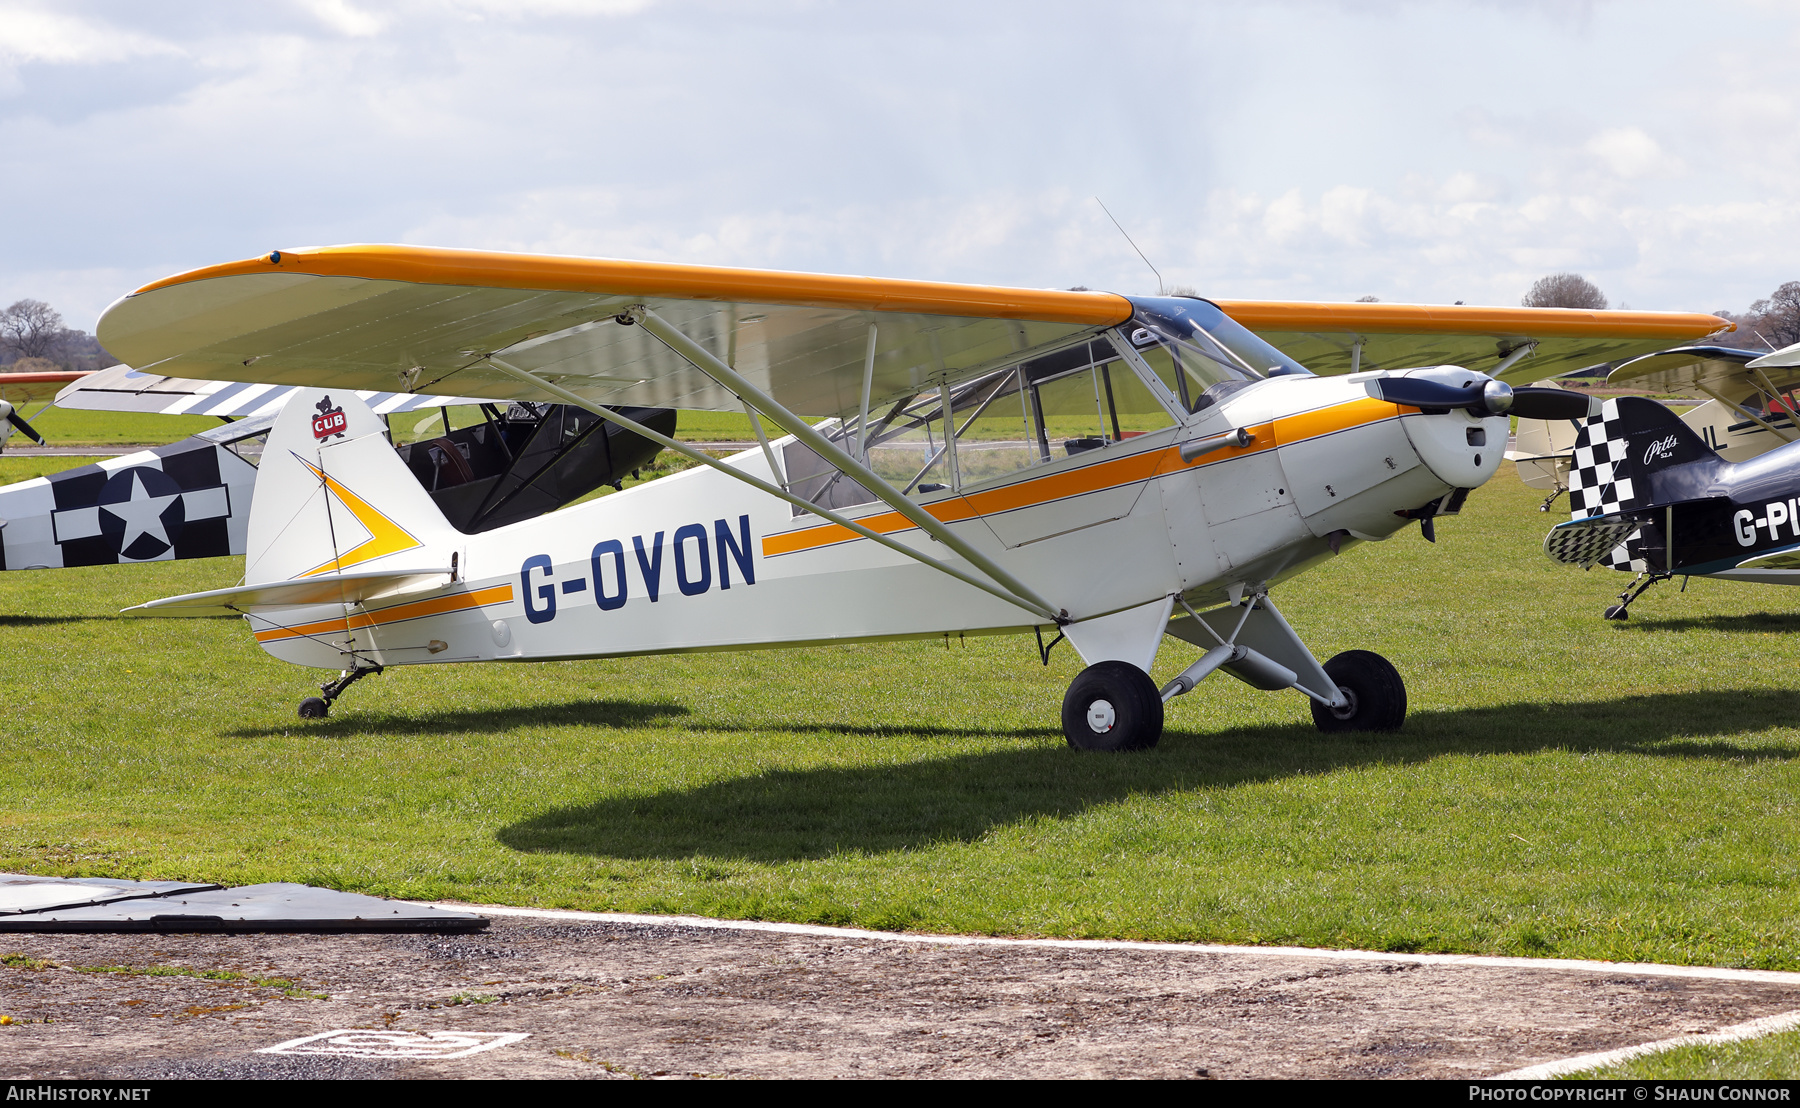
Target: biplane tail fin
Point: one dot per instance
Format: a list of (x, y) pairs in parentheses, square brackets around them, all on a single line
[(332, 497), (1619, 453)]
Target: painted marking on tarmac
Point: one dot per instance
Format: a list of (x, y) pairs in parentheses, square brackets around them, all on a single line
[(1755, 1029), (1642, 969), (363, 1043)]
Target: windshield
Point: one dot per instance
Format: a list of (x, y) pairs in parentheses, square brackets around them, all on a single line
[(1199, 352)]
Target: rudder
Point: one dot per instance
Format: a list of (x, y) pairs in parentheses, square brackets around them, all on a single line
[(332, 496), (1619, 451)]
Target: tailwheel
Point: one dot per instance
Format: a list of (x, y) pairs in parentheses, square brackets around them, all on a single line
[(1112, 706), (1617, 611), (318, 707), (1375, 696)]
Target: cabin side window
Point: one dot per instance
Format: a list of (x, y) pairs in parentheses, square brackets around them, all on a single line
[(1080, 398), (1086, 398)]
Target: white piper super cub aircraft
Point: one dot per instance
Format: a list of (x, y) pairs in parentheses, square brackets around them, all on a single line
[(959, 460)]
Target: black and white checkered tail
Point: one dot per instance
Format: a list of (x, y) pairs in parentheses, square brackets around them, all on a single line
[(1616, 465), (1600, 482)]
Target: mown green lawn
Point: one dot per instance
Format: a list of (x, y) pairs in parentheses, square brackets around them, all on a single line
[(69, 427), (1773, 1058), (1564, 786)]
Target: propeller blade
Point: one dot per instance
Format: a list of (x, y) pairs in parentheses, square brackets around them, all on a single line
[(1484, 398), (18, 421), (1418, 392), (1549, 404)]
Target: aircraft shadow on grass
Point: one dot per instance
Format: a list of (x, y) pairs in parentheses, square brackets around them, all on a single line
[(41, 621), (581, 713), (791, 815), (1779, 623)]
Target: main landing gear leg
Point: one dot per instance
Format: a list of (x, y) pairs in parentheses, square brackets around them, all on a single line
[(1618, 611), (315, 707), (1354, 691)]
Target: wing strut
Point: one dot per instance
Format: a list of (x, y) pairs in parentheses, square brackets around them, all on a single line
[(704, 360), (1784, 436), (687, 451)]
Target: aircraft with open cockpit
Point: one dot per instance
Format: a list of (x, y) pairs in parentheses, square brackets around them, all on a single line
[(932, 460), (1709, 493)]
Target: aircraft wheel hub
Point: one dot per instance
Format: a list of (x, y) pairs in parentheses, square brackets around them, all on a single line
[(1348, 711), (1101, 717)]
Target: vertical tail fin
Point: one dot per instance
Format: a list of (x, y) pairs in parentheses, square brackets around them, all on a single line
[(1620, 452), (1621, 458), (332, 496)]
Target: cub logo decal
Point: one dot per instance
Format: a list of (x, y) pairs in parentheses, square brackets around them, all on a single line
[(330, 421)]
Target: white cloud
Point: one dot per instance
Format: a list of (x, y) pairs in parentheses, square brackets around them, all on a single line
[(344, 18), (522, 9), (30, 33), (1629, 152)]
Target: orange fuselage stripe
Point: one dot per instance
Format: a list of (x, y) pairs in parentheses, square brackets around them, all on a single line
[(433, 606), (1095, 477), (417, 609)]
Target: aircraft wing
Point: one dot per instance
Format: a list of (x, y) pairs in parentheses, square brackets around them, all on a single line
[(1723, 370), (1325, 337), (419, 319), (1786, 356), (124, 389), (422, 320), (29, 388)]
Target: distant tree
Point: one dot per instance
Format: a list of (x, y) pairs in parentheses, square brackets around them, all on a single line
[(1778, 317), (1368, 300), (32, 329), (31, 365), (1564, 290), (1768, 324), (1183, 290)]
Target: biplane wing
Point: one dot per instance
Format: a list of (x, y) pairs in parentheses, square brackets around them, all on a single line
[(124, 389), (1749, 410), (1711, 369), (1516, 345)]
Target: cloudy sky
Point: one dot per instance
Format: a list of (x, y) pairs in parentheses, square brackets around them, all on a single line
[(1307, 150)]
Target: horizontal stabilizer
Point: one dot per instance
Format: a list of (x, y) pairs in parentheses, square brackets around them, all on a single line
[(1583, 542), (340, 588)]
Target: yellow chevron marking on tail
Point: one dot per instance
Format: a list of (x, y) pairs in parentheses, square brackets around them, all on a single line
[(385, 536)]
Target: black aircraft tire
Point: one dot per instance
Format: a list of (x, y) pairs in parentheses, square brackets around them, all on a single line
[(314, 707), (1617, 611), (1112, 706), (1377, 694)]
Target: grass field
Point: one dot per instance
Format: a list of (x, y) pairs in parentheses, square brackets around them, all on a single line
[(1563, 787), (69, 427), (1772, 1058)]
